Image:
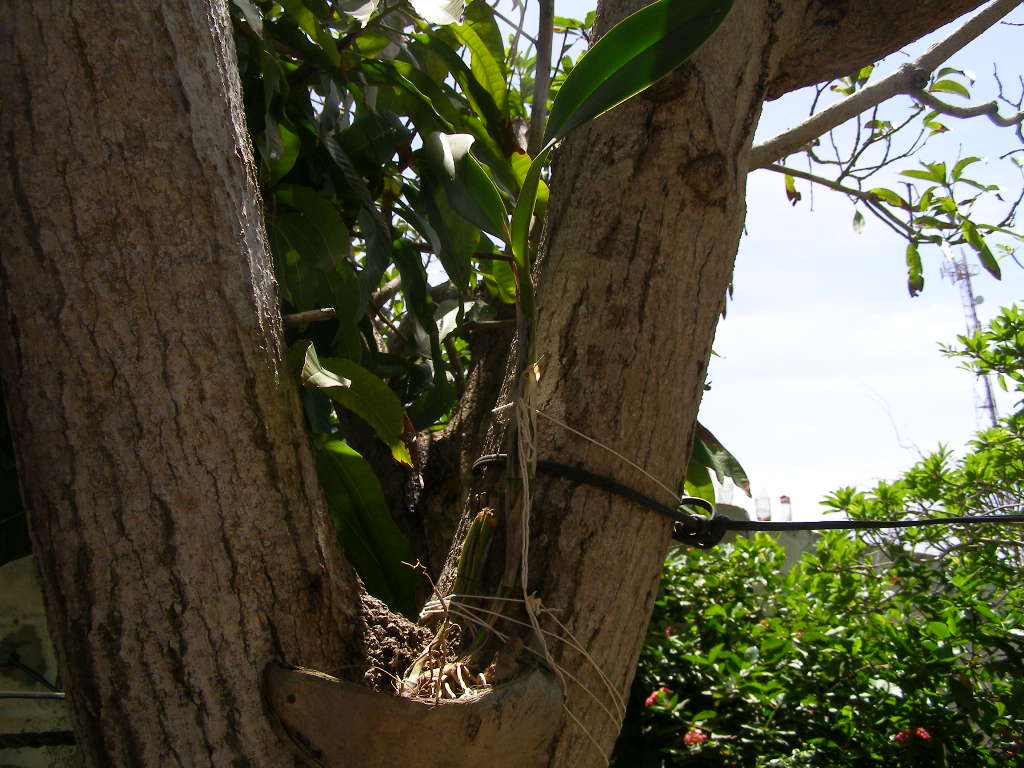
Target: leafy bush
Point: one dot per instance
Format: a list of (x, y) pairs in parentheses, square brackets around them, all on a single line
[(885, 648)]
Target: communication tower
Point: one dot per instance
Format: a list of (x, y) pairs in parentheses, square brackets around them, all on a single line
[(960, 272)]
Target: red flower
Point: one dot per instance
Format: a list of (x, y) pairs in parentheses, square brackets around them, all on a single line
[(669, 631), (922, 734), (902, 737), (651, 700), (694, 736)]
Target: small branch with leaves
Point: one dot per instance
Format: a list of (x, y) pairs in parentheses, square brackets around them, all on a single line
[(909, 79)]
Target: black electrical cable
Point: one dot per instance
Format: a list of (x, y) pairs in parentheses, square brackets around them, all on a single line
[(14, 660), (705, 532)]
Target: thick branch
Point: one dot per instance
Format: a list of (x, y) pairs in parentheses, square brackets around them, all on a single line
[(909, 79), (841, 37)]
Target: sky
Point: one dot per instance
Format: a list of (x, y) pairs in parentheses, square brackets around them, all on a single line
[(827, 373)]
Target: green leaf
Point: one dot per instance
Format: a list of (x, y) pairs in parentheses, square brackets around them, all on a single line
[(308, 23), (522, 216), (499, 279), (287, 153), (430, 108), (858, 222), (698, 482), (975, 240), (480, 34), (480, 98), (721, 461), (252, 15), (636, 52), (791, 192), (438, 399), (950, 86), (469, 188), (958, 169), (928, 175), (915, 272), (520, 163), (373, 543), (453, 238), (939, 629), (889, 197), (355, 388)]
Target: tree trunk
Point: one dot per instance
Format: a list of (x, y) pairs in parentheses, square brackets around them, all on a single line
[(646, 210), (172, 497), (647, 207)]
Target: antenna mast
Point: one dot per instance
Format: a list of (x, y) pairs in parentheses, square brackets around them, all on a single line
[(959, 272)]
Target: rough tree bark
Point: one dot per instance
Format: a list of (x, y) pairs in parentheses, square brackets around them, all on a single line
[(174, 509), (647, 207)]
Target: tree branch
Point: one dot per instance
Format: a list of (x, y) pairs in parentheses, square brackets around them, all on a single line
[(837, 38), (873, 203), (989, 109), (908, 79), (542, 76), (312, 316)]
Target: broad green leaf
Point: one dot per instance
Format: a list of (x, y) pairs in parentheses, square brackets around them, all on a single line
[(522, 216), (439, 397), (373, 543), (307, 21), (377, 246), (430, 107), (915, 272), (479, 96), (636, 52), (287, 153), (977, 242), (312, 273), (301, 15), (453, 237), (928, 175), (889, 197), (950, 86), (252, 15), (721, 461), (939, 629), (322, 215), (470, 189), (698, 482), (480, 34), (499, 279), (520, 162), (372, 139), (357, 185), (356, 389), (958, 169)]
